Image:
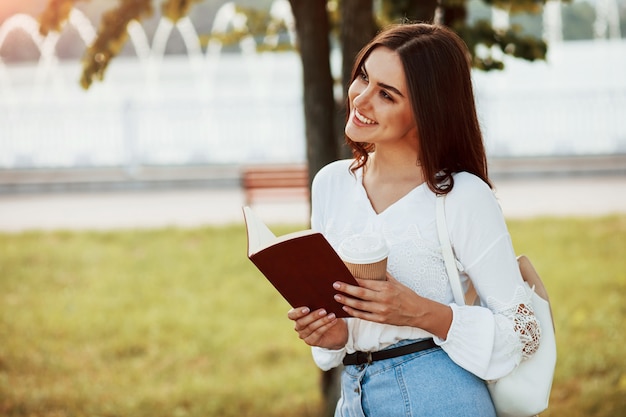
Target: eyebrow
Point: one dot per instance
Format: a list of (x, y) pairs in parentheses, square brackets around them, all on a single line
[(388, 87), (383, 85)]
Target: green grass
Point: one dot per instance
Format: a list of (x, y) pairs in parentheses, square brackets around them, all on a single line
[(179, 323)]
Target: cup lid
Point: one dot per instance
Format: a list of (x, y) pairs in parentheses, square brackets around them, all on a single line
[(362, 249)]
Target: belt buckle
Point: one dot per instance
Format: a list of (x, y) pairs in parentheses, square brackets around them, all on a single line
[(364, 358)]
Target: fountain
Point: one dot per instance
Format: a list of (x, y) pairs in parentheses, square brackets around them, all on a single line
[(217, 107), (153, 109), (46, 46), (607, 20), (552, 22), (29, 26)]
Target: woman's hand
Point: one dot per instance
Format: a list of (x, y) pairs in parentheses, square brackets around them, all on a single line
[(391, 302), (318, 328)]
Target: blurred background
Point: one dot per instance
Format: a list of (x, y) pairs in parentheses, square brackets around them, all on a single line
[(149, 307), (172, 99)]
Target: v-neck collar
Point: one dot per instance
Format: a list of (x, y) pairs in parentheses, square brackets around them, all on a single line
[(398, 202)]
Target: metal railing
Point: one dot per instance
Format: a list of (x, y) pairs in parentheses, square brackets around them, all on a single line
[(250, 111)]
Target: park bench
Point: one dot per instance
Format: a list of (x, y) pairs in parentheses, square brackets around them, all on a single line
[(274, 182)]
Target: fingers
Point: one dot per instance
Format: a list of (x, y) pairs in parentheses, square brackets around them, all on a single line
[(372, 300), (312, 327), (307, 323), (314, 332), (355, 305), (296, 313), (362, 314), (366, 290), (311, 322)]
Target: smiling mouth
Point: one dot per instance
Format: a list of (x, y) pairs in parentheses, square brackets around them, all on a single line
[(362, 118)]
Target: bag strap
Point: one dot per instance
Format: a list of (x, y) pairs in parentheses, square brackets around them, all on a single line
[(448, 255)]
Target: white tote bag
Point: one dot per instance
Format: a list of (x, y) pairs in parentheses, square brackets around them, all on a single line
[(525, 391)]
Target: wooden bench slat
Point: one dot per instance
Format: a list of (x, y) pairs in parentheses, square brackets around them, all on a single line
[(274, 182)]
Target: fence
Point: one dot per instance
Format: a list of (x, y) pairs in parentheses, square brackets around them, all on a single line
[(249, 110)]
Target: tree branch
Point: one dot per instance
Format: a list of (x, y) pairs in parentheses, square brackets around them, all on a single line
[(111, 37)]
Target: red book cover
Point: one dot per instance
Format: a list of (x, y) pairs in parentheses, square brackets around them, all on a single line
[(302, 266)]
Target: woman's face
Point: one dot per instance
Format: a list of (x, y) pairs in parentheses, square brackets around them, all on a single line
[(380, 111)]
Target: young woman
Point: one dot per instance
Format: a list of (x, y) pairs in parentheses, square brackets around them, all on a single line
[(408, 349)]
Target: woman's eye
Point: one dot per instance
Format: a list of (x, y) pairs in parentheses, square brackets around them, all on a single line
[(385, 95), (363, 75)]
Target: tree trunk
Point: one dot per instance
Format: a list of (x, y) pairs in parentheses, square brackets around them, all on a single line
[(412, 10), (454, 14), (357, 28), (312, 28), (423, 11)]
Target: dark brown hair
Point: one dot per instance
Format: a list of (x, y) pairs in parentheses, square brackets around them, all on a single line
[(437, 69)]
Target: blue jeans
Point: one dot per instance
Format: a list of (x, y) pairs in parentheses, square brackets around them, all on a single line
[(425, 383)]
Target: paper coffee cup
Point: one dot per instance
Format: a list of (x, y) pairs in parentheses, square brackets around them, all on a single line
[(365, 256)]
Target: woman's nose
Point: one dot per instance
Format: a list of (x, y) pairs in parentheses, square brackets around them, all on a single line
[(360, 95)]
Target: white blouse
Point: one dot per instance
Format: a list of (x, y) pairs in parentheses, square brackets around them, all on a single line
[(488, 340)]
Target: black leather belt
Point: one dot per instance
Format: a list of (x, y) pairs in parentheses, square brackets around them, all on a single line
[(360, 358)]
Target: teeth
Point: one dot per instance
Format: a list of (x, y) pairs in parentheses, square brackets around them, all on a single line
[(362, 118)]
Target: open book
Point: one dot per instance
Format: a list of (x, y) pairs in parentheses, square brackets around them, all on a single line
[(302, 265)]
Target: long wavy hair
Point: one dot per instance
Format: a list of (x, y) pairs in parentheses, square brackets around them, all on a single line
[(437, 68)]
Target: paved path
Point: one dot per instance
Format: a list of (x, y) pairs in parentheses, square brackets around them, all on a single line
[(573, 196)]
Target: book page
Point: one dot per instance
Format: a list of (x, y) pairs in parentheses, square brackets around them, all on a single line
[(259, 235)]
